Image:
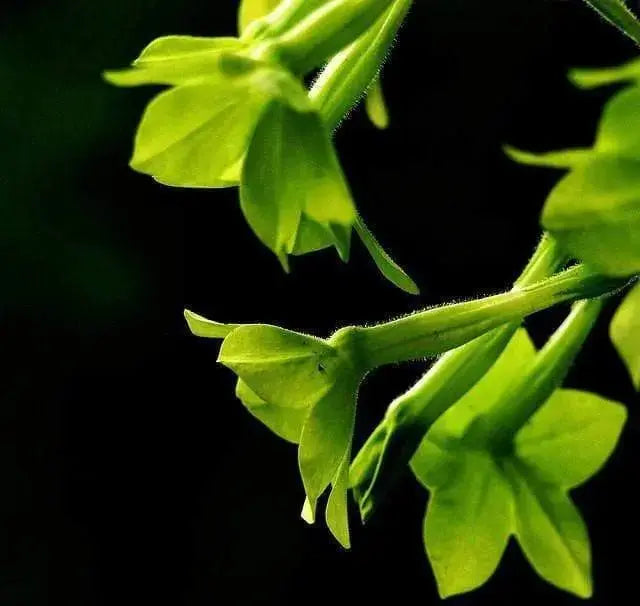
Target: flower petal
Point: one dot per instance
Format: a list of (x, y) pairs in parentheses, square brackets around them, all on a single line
[(468, 523), (569, 439)]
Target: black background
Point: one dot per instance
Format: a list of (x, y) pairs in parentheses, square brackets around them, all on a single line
[(129, 472)]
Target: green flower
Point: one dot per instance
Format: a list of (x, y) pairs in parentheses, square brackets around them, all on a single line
[(236, 115), (625, 333), (230, 120), (384, 457), (485, 488), (594, 211), (304, 389)]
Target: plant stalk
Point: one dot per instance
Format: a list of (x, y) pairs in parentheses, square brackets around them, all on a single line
[(325, 32), (348, 75), (617, 13), (497, 429), (441, 329), (384, 457)]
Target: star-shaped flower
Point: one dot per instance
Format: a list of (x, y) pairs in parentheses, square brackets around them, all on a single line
[(480, 497)]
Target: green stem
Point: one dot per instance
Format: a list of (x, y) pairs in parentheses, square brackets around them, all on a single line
[(440, 329), (325, 32), (385, 456), (348, 75), (285, 16), (522, 400), (616, 12)]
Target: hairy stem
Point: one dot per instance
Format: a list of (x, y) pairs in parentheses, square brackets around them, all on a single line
[(348, 75), (498, 428), (616, 12), (440, 329), (385, 456), (326, 31)]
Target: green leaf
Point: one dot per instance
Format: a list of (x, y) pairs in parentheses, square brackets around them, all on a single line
[(594, 212), (176, 60), (551, 532), (251, 10), (468, 522), (616, 12), (284, 368), (625, 333), (291, 171), (376, 106), (387, 266), (201, 327), (566, 158), (569, 439), (286, 423), (592, 78)]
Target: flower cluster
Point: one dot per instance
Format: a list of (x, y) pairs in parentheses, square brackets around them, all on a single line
[(238, 114), (489, 430)]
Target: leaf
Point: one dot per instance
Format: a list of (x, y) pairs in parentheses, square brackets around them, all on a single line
[(594, 212), (569, 439), (176, 60), (291, 170), (376, 106), (201, 327), (387, 266), (286, 423), (625, 333), (566, 158), (592, 78), (551, 532), (251, 10), (468, 523), (284, 368), (619, 15)]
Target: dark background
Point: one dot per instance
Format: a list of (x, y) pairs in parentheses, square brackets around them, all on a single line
[(130, 475)]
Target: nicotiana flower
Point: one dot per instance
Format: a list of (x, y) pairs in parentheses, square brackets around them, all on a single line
[(384, 457), (594, 211), (305, 388), (237, 114), (485, 487), (234, 120), (625, 333)]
